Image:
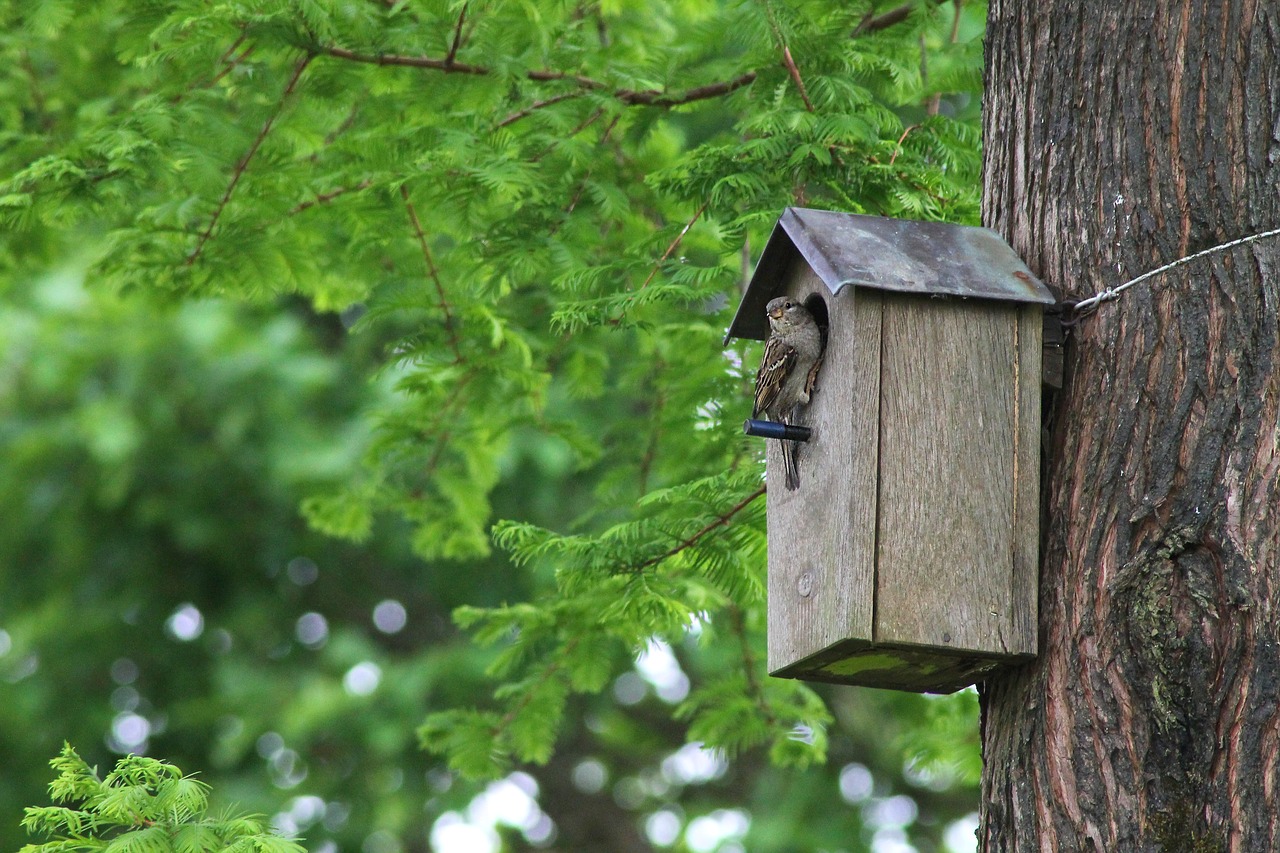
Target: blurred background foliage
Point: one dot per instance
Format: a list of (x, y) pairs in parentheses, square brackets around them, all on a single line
[(287, 327)]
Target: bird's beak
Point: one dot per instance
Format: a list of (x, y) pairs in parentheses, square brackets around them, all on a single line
[(776, 313)]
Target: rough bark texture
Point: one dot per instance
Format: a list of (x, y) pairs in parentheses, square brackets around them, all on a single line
[(1121, 136)]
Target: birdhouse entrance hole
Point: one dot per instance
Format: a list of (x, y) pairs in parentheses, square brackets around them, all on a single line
[(817, 307)]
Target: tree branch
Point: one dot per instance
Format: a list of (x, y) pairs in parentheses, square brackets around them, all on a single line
[(457, 36), (38, 101), (548, 673), (244, 161), (874, 23), (655, 434), (675, 243), (423, 62), (537, 105), (583, 125), (443, 437), (614, 321), (795, 77), (631, 97), (582, 184), (655, 98), (898, 149), (229, 62), (693, 540), (435, 275), (739, 625), (935, 100), (325, 198), (787, 61)]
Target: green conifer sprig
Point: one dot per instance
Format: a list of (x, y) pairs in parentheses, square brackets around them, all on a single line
[(142, 806)]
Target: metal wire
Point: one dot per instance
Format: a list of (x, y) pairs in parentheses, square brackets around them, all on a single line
[(1097, 299)]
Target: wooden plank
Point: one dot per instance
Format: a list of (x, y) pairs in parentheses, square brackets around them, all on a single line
[(944, 549), (1026, 515), (859, 478), (822, 536)]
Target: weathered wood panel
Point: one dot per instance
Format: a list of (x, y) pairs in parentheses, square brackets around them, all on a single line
[(907, 558), (946, 510), (1026, 496), (822, 536)]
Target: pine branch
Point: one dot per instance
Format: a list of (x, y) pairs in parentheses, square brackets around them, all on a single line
[(631, 97), (754, 689), (446, 411), (695, 538), (651, 447), (457, 36), (582, 184), (787, 61), (583, 125), (228, 62), (655, 98), (795, 77), (675, 243), (614, 321), (874, 23), (537, 105), (898, 148), (424, 62), (435, 275), (244, 161), (325, 198), (548, 673)]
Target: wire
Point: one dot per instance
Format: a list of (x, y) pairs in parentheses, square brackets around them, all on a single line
[(1097, 299)]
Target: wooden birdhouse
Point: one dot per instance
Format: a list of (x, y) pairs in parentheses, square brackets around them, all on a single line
[(908, 555)]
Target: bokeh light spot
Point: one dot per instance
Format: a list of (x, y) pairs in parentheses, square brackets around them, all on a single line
[(186, 623), (362, 679), (389, 616), (312, 630)]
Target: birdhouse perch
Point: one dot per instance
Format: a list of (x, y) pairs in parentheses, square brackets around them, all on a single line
[(908, 556)]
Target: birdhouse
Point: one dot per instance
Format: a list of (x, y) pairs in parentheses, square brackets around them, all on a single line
[(907, 557)]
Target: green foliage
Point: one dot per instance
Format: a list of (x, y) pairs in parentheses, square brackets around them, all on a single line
[(945, 748), (142, 806), (490, 249)]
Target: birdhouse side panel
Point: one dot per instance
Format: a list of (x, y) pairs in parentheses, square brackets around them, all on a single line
[(1026, 513), (947, 474), (822, 535)]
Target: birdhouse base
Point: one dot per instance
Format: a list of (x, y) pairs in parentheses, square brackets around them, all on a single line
[(912, 668)]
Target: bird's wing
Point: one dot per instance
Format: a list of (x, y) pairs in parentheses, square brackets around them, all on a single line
[(776, 365), (812, 378)]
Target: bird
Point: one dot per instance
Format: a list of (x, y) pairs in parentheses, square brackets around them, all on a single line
[(784, 383)]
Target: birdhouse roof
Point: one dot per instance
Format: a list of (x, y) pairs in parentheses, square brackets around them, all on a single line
[(928, 258)]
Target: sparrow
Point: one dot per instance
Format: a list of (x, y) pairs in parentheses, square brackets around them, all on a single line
[(792, 358)]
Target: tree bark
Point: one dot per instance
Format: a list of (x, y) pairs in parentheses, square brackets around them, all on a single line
[(1119, 137)]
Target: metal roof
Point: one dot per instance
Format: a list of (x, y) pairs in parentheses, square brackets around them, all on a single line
[(928, 258)]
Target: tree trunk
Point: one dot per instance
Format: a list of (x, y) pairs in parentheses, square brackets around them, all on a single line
[(1121, 136)]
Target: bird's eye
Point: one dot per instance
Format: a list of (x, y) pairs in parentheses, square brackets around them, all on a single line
[(789, 305)]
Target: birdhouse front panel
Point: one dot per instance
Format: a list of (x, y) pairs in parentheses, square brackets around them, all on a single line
[(822, 535), (907, 555)]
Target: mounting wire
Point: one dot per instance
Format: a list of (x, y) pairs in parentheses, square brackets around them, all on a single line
[(1086, 305)]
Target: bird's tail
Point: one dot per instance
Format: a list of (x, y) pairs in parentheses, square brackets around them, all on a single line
[(790, 454)]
